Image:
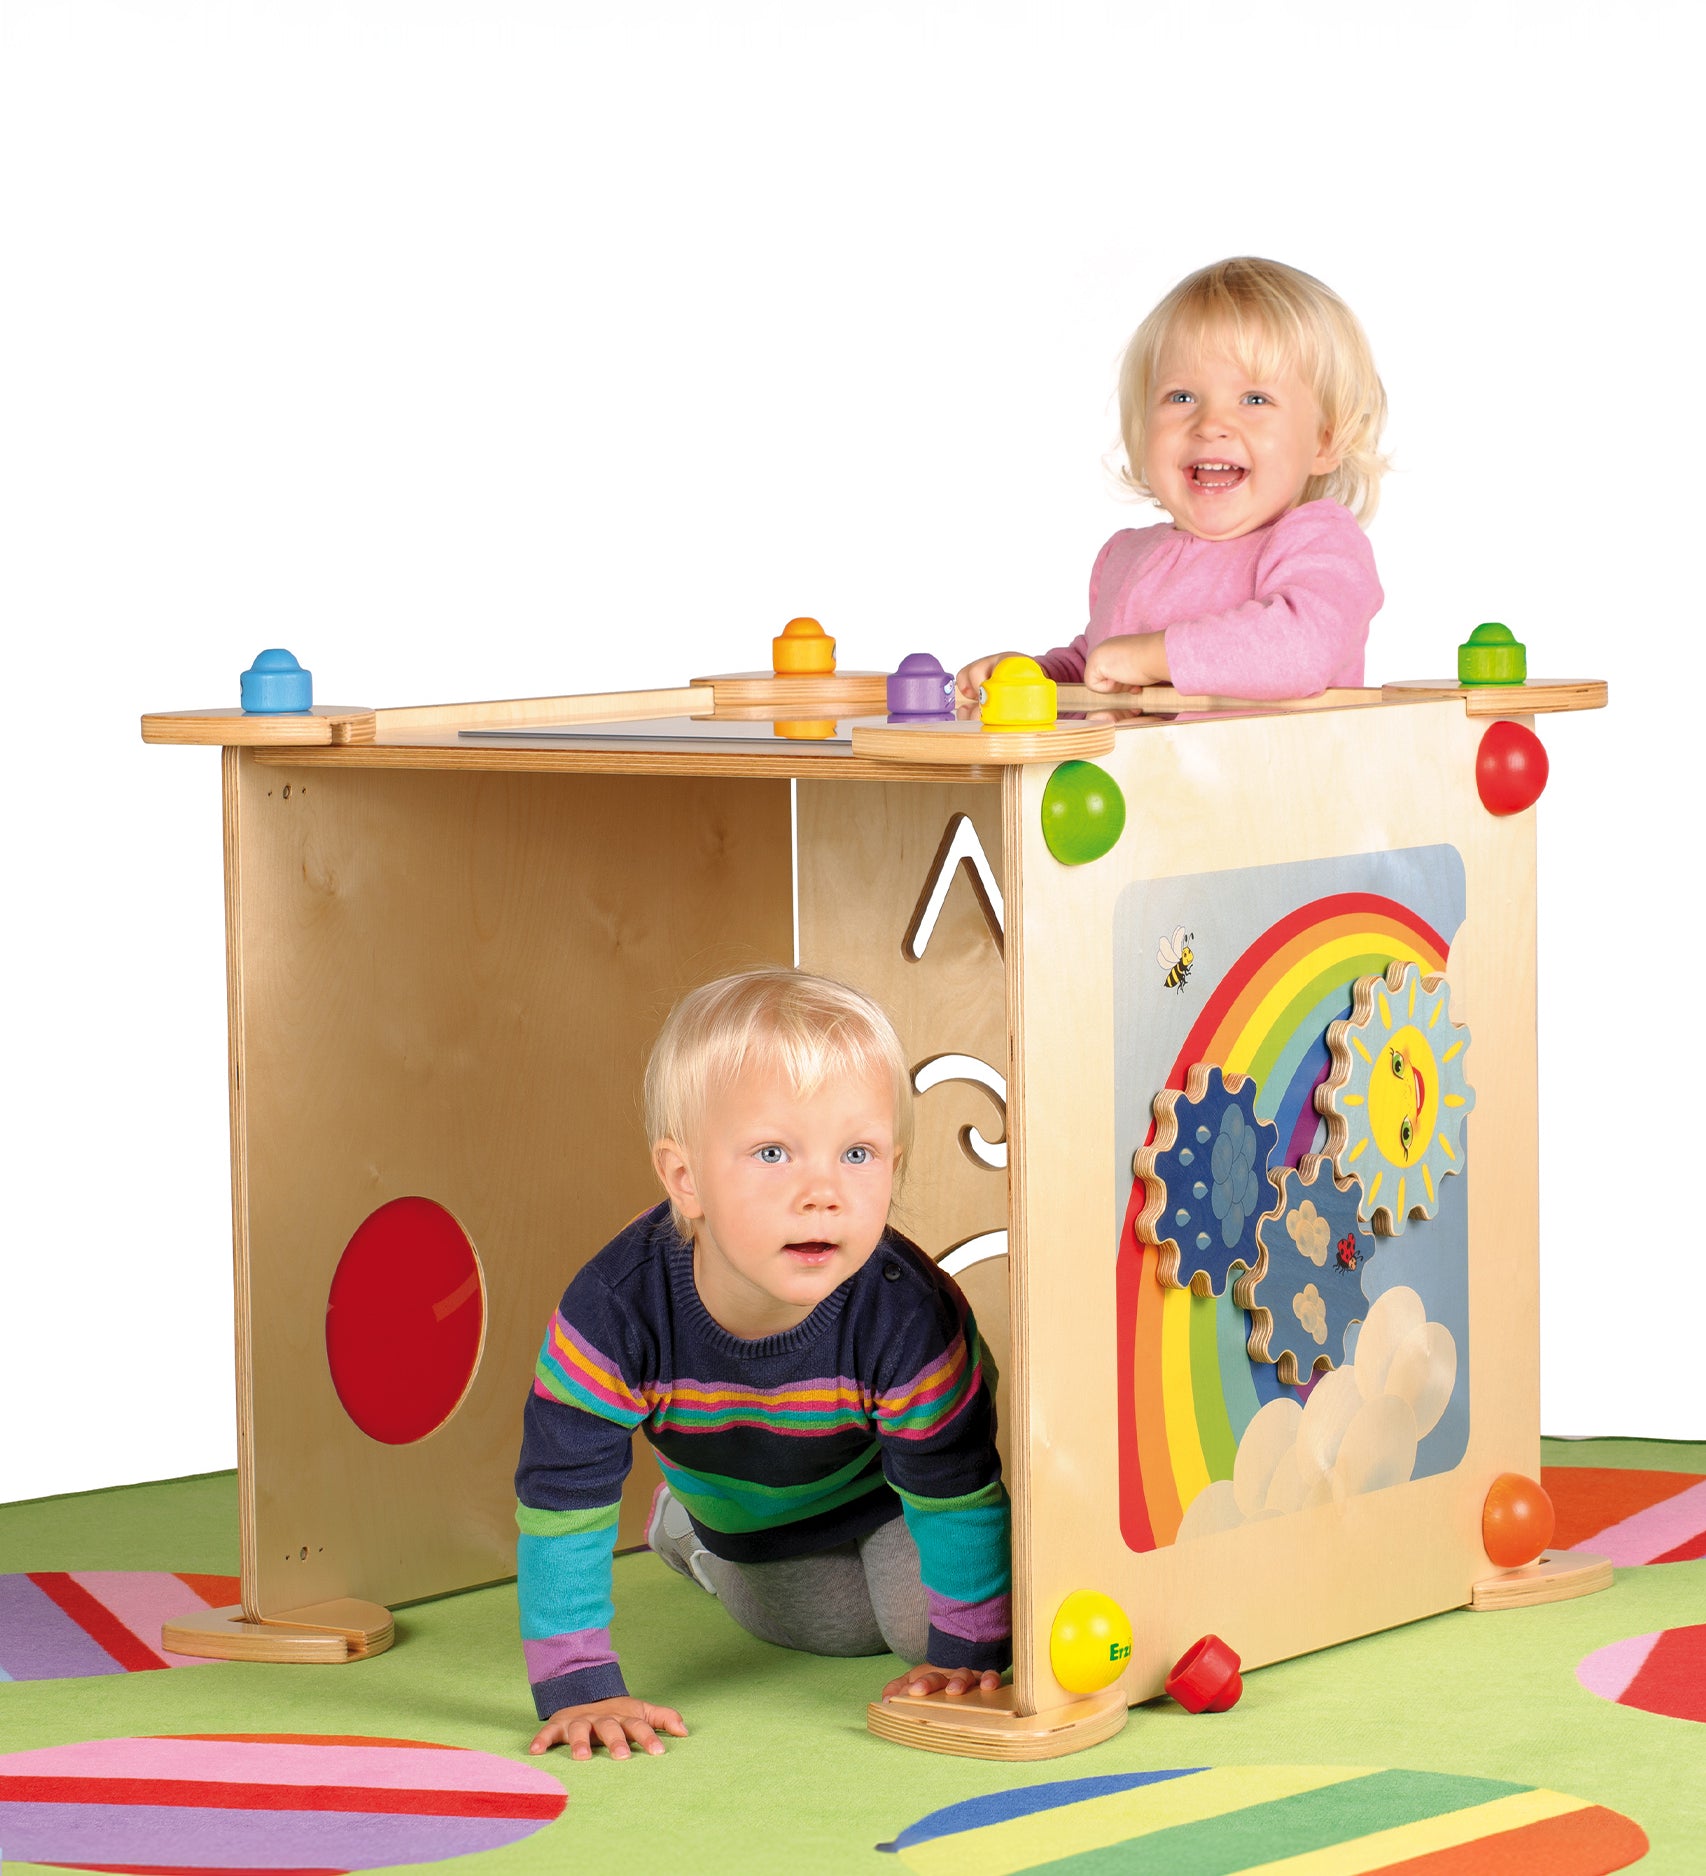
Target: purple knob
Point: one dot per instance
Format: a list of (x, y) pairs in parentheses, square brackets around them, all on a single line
[(919, 687)]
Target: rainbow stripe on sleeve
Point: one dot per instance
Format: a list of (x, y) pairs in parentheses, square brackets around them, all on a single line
[(923, 1406), (572, 1371)]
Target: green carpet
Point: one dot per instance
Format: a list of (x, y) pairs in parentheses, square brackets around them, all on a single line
[(779, 1774)]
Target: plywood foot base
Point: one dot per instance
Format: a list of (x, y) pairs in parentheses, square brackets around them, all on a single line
[(345, 1630), (1555, 1577), (986, 1726)]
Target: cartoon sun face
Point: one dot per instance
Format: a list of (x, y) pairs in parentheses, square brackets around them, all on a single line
[(1403, 1096), (1395, 1100)]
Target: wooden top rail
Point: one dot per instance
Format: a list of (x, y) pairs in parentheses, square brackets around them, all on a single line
[(1086, 727)]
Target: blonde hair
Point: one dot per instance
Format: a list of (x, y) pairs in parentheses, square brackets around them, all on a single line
[(1269, 316), (811, 1029)]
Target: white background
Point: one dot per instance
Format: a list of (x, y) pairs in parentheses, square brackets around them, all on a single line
[(476, 348)]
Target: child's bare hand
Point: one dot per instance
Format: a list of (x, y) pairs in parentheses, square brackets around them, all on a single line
[(611, 1723), (969, 681), (1128, 662), (929, 1680)]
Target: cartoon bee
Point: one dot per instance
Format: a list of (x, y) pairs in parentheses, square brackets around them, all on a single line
[(1175, 957)]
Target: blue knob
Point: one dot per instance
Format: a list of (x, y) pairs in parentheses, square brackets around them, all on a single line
[(276, 685)]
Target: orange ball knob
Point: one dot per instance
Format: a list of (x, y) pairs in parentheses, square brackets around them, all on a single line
[(804, 649), (1516, 1521)]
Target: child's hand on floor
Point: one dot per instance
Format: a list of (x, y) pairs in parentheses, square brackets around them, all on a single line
[(929, 1680), (610, 1723)]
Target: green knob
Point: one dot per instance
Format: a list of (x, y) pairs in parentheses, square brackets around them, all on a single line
[(1083, 813), (1492, 654)]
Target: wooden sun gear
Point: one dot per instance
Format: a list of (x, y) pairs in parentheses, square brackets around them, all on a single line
[(1396, 1099), (449, 951)]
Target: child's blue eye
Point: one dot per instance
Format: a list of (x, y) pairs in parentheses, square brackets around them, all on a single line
[(1257, 397), (771, 1155), (857, 1156), (1177, 397)]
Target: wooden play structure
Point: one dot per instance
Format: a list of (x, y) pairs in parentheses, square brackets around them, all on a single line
[(454, 931)]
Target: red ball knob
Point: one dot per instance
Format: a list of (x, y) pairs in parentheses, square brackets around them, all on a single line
[(1510, 768)]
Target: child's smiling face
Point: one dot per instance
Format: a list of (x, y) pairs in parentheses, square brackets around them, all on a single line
[(788, 1194), (1226, 452)]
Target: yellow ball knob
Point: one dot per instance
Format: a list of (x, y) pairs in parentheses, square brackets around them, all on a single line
[(1017, 696), (1090, 1642)]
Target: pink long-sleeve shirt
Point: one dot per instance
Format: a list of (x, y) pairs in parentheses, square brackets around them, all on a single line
[(1280, 612)]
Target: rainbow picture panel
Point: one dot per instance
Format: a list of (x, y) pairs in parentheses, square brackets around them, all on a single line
[(1246, 969)]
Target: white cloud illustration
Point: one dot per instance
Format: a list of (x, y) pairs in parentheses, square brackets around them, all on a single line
[(1309, 1231), (1357, 1432)]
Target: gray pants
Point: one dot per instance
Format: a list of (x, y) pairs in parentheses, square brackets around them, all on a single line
[(863, 1598)]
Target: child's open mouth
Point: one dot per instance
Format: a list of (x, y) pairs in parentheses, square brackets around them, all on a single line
[(1217, 475), (811, 1251)]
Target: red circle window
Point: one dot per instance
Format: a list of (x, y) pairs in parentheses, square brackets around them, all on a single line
[(405, 1318)]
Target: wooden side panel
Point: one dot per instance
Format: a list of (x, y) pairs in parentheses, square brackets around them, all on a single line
[(868, 853), (446, 986), (1251, 792)]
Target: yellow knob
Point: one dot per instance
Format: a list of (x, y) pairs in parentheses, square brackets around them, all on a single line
[(1016, 696), (1089, 1643)]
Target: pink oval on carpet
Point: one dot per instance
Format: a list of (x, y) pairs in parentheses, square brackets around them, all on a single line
[(1660, 1673), (265, 1801), (66, 1624)]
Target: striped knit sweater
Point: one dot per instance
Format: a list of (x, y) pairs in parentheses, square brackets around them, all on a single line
[(877, 1404)]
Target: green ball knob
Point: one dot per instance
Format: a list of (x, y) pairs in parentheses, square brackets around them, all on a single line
[(1083, 813), (1492, 654)]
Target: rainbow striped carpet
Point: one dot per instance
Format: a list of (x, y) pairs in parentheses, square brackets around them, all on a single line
[(1304, 1820), (1549, 1741)]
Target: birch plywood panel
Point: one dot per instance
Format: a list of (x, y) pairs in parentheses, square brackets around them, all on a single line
[(869, 854), (445, 986), (1208, 798)]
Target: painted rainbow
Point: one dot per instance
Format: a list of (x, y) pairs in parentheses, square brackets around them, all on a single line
[(1188, 1387)]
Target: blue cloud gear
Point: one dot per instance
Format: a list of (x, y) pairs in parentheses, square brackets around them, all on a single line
[(1317, 1214), (1208, 1181)]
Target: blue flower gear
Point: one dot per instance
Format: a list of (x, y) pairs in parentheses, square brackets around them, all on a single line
[(1314, 1250), (1207, 1182)]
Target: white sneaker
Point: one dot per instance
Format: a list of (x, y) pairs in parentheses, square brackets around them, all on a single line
[(670, 1532)]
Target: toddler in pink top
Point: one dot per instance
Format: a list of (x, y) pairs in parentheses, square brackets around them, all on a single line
[(1251, 412)]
